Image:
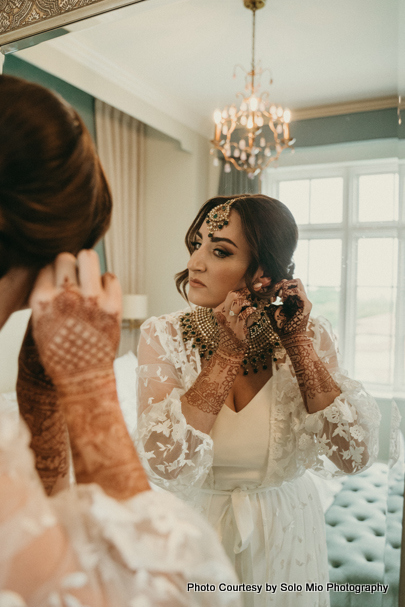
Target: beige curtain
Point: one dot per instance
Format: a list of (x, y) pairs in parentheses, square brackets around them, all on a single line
[(121, 147), (121, 143)]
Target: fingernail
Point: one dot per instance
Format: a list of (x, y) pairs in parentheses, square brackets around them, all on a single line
[(257, 286)]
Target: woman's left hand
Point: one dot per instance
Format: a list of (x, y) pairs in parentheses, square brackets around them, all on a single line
[(290, 318)]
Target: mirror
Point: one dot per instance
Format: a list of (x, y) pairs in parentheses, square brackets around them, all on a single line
[(340, 69)]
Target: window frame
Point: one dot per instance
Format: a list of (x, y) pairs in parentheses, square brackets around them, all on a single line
[(350, 230)]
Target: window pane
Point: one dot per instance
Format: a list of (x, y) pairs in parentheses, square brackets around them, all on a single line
[(295, 195), (375, 324), (325, 302), (301, 261), (326, 200), (378, 197), (318, 265), (325, 262), (377, 262)]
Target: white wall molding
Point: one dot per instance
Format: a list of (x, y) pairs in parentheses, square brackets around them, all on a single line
[(349, 107)]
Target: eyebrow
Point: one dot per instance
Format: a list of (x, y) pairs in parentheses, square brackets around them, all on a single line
[(216, 239)]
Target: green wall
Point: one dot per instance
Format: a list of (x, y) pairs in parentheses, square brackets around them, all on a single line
[(360, 126), (81, 101)]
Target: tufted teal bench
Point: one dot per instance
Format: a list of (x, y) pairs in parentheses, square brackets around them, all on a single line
[(355, 532)]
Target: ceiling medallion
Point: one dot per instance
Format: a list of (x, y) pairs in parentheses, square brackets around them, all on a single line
[(253, 136)]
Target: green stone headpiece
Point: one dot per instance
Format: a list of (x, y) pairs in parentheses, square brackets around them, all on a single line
[(218, 217)]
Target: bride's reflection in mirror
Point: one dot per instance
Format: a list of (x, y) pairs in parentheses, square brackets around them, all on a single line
[(241, 394)]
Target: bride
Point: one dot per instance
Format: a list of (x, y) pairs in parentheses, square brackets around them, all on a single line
[(242, 393), (108, 541)]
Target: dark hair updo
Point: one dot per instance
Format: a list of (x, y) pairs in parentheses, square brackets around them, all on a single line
[(54, 196), (270, 231)]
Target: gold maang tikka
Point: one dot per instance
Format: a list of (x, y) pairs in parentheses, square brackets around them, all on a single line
[(218, 217)]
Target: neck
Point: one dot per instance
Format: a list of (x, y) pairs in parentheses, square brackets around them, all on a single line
[(15, 288)]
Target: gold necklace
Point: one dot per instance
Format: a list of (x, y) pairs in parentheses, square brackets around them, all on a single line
[(200, 327)]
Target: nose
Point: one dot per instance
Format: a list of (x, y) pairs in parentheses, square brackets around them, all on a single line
[(196, 262)]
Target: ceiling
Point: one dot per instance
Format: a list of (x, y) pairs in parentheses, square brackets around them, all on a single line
[(182, 53)]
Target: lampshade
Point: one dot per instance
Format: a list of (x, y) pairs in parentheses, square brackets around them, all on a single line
[(135, 307)]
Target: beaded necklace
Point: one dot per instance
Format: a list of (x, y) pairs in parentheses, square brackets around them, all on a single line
[(201, 328)]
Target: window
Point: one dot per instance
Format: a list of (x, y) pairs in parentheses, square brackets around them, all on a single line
[(351, 259)]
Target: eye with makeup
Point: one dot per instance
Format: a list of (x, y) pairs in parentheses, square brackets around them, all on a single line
[(221, 253)]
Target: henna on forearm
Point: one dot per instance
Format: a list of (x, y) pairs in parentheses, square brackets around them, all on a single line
[(102, 450), (77, 341), (318, 389), (312, 376), (212, 386), (38, 405), (214, 383)]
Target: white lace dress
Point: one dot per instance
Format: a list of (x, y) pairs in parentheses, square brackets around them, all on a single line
[(141, 552), (248, 476)]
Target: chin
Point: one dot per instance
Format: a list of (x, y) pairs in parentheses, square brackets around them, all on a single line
[(201, 299)]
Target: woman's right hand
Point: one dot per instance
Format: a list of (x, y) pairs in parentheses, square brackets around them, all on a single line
[(233, 320), (76, 316)]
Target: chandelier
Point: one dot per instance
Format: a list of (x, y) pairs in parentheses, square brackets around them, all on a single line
[(253, 136)]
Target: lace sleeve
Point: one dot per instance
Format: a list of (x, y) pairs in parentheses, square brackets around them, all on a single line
[(82, 548), (346, 432), (175, 455)]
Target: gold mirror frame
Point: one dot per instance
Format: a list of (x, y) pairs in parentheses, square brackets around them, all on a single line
[(24, 24)]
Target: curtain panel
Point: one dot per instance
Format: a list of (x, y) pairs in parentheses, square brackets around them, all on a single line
[(121, 147), (237, 182)]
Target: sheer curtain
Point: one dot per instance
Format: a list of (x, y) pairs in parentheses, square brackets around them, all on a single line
[(121, 147)]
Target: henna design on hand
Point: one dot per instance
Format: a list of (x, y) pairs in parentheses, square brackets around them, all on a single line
[(289, 319), (215, 381), (290, 322), (39, 407), (77, 341)]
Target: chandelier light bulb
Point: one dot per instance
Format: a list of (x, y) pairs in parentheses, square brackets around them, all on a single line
[(259, 120), (280, 111), (287, 116), (254, 104), (232, 110), (279, 128), (243, 155), (242, 144), (250, 122), (227, 167), (262, 142), (252, 160), (217, 116), (225, 129), (236, 153), (243, 120), (243, 106), (273, 110), (225, 114), (215, 162), (267, 152)]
